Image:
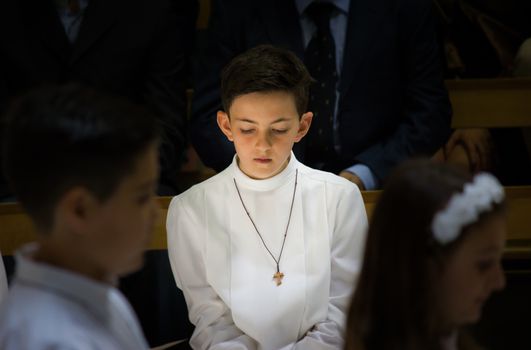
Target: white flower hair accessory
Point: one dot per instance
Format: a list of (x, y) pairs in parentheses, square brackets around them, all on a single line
[(465, 207)]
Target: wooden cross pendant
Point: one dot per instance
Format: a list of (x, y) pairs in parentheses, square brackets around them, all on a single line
[(278, 277)]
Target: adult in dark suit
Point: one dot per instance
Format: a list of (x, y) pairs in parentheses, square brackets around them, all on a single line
[(129, 48), (392, 102)]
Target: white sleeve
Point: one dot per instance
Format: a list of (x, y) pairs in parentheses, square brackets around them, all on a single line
[(214, 327), (348, 243), (21, 340)]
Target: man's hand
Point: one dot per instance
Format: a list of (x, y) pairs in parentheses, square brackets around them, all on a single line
[(477, 144)]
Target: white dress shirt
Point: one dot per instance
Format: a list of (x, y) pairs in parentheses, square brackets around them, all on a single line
[(51, 308), (225, 272), (338, 28)]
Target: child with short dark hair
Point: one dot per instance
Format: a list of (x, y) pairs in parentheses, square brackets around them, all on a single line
[(432, 259), (267, 251), (85, 168)]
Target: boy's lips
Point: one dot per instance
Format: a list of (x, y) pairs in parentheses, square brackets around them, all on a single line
[(262, 160)]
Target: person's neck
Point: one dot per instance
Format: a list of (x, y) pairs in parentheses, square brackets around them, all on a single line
[(65, 256)]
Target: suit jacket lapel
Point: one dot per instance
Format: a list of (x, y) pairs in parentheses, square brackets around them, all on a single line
[(99, 17), (364, 21), (283, 26), (43, 20)]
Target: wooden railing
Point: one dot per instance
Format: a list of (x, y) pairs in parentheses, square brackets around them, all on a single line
[(490, 103), (17, 229)]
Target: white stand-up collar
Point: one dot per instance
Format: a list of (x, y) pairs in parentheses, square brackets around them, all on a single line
[(269, 184)]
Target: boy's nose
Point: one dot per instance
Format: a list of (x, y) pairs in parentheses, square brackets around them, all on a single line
[(498, 282), (263, 142)]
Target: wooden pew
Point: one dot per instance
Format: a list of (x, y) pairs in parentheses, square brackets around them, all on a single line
[(490, 103), (17, 229)]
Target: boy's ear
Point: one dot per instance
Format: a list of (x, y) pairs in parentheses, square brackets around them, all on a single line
[(224, 124), (75, 210), (304, 125)]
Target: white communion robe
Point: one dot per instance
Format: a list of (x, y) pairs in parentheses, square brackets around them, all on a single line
[(226, 274)]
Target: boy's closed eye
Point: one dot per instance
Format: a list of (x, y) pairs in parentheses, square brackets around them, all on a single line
[(146, 192), (275, 131), (144, 198), (485, 264)]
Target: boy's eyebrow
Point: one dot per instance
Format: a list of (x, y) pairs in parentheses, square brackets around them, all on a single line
[(490, 249), (281, 119), (246, 120)]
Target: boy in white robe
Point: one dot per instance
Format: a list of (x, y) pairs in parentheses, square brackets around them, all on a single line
[(85, 168), (267, 252)]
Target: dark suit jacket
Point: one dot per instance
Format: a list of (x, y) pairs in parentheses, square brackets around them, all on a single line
[(129, 48), (393, 103)]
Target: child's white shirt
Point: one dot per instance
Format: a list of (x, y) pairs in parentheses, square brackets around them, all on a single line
[(51, 308), (226, 273)]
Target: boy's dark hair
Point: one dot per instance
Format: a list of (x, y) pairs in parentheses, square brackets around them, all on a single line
[(58, 137), (395, 302), (266, 68)]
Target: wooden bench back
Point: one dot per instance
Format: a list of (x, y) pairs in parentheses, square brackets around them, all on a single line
[(17, 229), (490, 103)]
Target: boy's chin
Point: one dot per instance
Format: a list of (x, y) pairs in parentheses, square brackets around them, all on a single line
[(262, 171), (134, 266), (262, 175)]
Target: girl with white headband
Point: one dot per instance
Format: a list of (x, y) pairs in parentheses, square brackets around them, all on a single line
[(432, 258)]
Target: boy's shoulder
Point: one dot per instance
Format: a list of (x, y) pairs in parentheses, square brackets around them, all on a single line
[(215, 185), (33, 319), (327, 178)]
